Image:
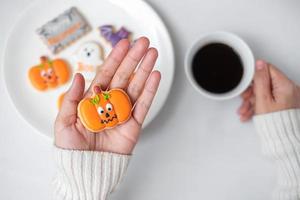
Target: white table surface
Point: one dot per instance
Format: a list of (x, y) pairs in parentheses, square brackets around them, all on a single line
[(196, 148)]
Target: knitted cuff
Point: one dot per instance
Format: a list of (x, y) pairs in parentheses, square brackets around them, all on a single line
[(280, 139), (87, 175), (279, 132)]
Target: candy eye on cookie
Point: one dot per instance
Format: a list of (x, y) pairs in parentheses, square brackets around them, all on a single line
[(109, 107), (43, 73), (50, 71), (100, 110)]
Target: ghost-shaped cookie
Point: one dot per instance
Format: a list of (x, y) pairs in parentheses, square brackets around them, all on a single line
[(88, 59)]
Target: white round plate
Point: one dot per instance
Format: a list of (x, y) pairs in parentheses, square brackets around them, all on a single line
[(24, 47)]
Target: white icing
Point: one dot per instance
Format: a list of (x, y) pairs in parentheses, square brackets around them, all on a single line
[(50, 71), (108, 107), (100, 110), (88, 60), (43, 73)]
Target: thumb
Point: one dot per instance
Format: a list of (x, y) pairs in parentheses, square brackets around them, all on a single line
[(277, 75), (281, 84), (72, 97), (262, 84)]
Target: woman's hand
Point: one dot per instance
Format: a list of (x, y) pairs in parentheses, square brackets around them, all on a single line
[(116, 72), (271, 91)]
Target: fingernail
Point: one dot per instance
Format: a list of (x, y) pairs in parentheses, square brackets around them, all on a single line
[(260, 65)]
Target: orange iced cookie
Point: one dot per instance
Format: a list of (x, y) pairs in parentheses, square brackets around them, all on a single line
[(49, 73), (105, 110), (60, 100)]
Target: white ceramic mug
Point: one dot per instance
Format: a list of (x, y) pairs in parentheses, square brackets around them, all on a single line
[(239, 46)]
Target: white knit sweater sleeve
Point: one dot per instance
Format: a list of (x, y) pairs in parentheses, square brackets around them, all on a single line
[(87, 175), (280, 138)]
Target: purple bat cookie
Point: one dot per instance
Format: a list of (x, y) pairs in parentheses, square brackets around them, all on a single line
[(107, 31)]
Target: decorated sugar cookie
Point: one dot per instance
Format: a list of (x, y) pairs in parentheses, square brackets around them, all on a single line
[(88, 59), (63, 30), (49, 73), (107, 31), (104, 110), (60, 100)]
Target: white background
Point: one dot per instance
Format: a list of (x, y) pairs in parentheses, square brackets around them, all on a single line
[(196, 148)]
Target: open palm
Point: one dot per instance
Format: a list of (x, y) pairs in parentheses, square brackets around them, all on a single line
[(116, 72)]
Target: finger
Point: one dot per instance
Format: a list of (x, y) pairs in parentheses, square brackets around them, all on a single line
[(143, 103), (246, 105), (247, 116), (130, 62), (281, 84), (97, 89), (110, 66), (276, 74), (138, 81), (72, 97), (248, 93), (262, 83)]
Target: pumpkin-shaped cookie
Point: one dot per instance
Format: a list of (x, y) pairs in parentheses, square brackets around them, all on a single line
[(105, 110), (49, 73), (60, 100)]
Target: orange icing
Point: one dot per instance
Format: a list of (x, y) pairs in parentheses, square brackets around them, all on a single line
[(63, 35)]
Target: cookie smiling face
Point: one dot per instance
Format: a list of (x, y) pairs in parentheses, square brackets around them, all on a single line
[(107, 114), (48, 74)]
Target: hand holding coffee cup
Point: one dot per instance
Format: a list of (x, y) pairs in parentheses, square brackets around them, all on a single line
[(220, 65), (271, 91)]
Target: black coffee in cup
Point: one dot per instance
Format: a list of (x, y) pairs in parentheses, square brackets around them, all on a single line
[(217, 68)]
